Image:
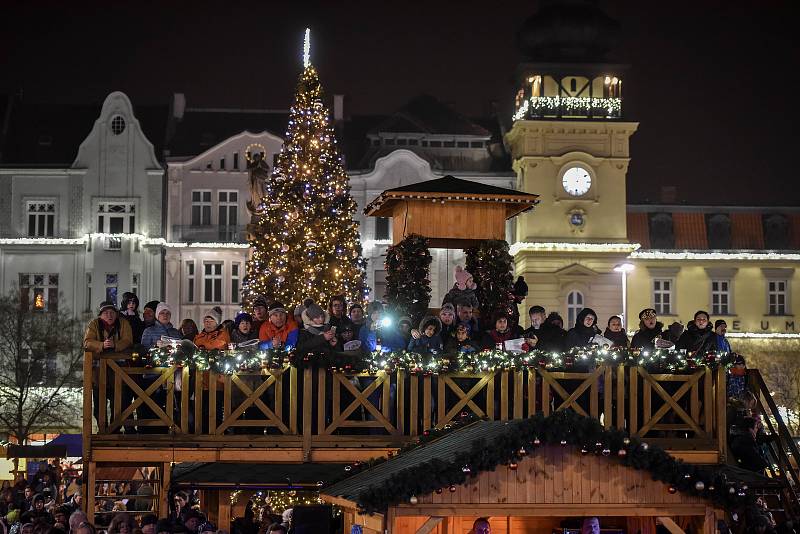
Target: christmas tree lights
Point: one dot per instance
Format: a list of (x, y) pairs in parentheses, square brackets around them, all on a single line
[(304, 240)]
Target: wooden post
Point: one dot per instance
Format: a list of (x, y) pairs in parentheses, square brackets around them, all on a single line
[(308, 409), (87, 405), (224, 510), (163, 494), (633, 399), (722, 423), (292, 400), (90, 489)]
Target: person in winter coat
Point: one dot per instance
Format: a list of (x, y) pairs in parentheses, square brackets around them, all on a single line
[(260, 314), (585, 329), (107, 333), (465, 315), (149, 313), (357, 318), (429, 340), (746, 449), (615, 333), (518, 294), (463, 289), (188, 329), (502, 332), (699, 335), (336, 308), (279, 330), (405, 326), (541, 334), (461, 342), (560, 335), (649, 330), (162, 327), (213, 335), (720, 329), (129, 310), (317, 333), (243, 328), (377, 332), (447, 316)]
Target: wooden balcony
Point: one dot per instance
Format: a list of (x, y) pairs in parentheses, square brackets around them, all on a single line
[(302, 415)]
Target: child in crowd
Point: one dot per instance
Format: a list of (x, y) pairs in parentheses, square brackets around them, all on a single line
[(429, 340)]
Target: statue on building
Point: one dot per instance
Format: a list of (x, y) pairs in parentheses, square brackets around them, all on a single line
[(259, 174)]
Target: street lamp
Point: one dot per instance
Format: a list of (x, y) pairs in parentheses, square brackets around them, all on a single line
[(624, 269)]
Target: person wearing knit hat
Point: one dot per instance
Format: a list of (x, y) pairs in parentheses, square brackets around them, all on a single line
[(518, 294), (279, 330), (213, 335), (720, 329), (650, 329), (699, 335), (154, 335), (243, 328), (317, 335), (447, 315), (129, 310), (149, 313)]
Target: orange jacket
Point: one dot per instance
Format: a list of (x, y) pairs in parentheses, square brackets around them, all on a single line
[(269, 331), (216, 339)]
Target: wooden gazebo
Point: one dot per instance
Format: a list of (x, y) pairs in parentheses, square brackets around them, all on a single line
[(449, 211), (553, 487)]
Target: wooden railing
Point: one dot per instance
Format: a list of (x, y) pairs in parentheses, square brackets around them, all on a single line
[(318, 407)]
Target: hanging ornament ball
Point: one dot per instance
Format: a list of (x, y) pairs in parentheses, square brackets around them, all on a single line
[(312, 244), (622, 453), (711, 487), (438, 491), (626, 441), (522, 451), (598, 445), (466, 469), (453, 488), (320, 483), (731, 490), (699, 485), (645, 446), (280, 279), (348, 468), (354, 253), (513, 466), (584, 451), (606, 452), (284, 248), (536, 442), (687, 476), (413, 499), (672, 490), (563, 442)]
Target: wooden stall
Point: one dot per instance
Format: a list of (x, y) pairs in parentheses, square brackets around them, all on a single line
[(553, 487), (449, 211)]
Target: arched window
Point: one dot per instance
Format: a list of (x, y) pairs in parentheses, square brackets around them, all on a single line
[(574, 307)]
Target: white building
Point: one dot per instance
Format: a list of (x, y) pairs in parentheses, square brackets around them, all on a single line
[(86, 230)]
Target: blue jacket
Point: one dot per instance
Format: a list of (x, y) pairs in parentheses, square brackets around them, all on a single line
[(391, 339), (152, 334), (722, 343), (425, 344)]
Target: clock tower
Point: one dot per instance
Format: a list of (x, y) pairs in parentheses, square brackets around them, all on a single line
[(569, 144)]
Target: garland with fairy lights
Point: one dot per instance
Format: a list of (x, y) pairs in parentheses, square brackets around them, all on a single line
[(254, 359), (524, 437)]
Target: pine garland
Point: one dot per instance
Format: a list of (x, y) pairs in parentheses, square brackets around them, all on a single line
[(524, 436), (490, 265), (408, 289)]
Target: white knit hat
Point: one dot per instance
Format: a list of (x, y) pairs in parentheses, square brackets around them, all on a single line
[(215, 313), (162, 306)]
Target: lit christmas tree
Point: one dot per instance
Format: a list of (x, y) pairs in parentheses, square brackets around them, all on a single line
[(303, 239)]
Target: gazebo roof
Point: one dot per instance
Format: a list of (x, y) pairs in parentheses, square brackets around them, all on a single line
[(449, 188)]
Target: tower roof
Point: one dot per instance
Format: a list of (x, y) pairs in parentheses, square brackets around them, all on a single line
[(566, 31)]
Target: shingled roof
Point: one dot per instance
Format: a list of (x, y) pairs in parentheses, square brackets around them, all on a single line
[(426, 114), (254, 474)]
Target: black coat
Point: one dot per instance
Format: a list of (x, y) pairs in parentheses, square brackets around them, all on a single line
[(581, 335), (549, 336), (696, 340), (620, 338), (746, 450), (644, 338), (137, 327), (308, 341)]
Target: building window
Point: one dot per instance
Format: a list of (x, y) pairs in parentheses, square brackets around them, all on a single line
[(721, 297), (413, 142), (777, 293), (662, 296), (449, 144), (212, 281), (235, 161), (382, 227), (190, 281), (402, 142), (201, 208), (574, 306), (135, 278), (476, 144), (222, 163), (41, 218), (88, 302), (463, 144), (235, 282), (117, 125), (228, 203), (388, 142), (112, 284), (38, 292), (379, 286), (435, 144), (424, 143), (116, 217)]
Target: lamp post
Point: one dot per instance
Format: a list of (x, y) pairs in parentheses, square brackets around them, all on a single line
[(624, 269)]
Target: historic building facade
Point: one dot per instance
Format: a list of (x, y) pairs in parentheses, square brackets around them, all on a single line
[(88, 229)]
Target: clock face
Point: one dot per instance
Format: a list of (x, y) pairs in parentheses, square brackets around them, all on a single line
[(576, 181)]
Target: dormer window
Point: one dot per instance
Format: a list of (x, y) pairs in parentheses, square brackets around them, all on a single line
[(117, 125)]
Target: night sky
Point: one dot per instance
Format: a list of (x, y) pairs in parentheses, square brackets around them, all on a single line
[(710, 82)]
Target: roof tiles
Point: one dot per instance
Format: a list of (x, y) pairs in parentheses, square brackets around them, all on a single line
[(690, 231), (638, 229), (747, 231)]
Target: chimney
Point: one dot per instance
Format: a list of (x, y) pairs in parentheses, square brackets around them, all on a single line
[(178, 105), (338, 108), (669, 194)]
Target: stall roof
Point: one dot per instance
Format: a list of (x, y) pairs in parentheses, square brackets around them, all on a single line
[(36, 451), (249, 474), (73, 442)]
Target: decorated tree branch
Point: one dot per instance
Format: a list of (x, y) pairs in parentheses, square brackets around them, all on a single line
[(408, 289), (490, 265)]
